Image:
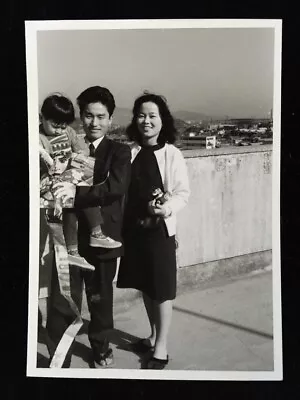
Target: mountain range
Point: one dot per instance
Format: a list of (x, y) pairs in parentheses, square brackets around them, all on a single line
[(122, 116)]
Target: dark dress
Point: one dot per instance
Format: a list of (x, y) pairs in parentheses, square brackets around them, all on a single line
[(149, 261)]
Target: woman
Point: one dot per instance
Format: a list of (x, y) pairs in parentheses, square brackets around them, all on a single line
[(149, 262)]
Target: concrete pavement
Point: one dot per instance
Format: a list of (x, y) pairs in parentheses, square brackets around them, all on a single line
[(220, 327)]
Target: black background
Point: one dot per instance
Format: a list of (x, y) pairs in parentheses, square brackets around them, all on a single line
[(14, 195)]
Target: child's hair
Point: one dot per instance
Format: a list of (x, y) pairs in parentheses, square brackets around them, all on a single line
[(96, 94), (58, 108)]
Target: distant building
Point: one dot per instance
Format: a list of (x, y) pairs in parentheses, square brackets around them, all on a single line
[(229, 127), (213, 126), (262, 130)]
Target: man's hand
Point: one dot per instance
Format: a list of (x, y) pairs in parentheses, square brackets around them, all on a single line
[(64, 190), (83, 183)]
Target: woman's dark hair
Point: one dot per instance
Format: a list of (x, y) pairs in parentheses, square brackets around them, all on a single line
[(58, 108), (96, 94), (168, 131)]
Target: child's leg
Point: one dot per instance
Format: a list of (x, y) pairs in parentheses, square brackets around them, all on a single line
[(94, 219), (71, 239), (97, 237), (70, 229)]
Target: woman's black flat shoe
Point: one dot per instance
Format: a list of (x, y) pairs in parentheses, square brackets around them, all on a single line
[(157, 363), (140, 347)]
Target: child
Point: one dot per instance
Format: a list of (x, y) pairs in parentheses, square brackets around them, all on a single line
[(58, 143)]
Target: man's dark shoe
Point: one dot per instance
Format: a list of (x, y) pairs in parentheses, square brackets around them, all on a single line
[(105, 360)]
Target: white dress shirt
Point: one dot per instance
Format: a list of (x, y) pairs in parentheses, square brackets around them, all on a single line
[(95, 143)]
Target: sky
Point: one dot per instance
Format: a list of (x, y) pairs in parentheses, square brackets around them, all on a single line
[(225, 72)]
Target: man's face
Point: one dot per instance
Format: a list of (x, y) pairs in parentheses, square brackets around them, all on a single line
[(96, 121), (52, 128)]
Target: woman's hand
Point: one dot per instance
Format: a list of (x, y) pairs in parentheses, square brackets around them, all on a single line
[(64, 191), (160, 210)]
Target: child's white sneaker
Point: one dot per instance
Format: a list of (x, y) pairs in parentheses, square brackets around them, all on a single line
[(101, 240), (78, 261)]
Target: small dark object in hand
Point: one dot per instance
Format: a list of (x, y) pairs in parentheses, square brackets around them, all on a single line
[(159, 196)]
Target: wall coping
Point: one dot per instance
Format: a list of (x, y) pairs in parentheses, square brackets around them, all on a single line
[(203, 152)]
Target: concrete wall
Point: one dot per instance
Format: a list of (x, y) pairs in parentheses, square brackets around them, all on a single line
[(230, 209), (229, 214)]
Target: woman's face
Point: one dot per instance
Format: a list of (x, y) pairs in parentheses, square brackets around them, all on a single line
[(149, 122)]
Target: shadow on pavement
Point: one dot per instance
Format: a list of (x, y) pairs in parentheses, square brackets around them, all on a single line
[(122, 340), (119, 338), (42, 361), (223, 322)]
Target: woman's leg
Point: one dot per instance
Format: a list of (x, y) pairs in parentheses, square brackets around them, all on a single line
[(163, 317), (149, 305)]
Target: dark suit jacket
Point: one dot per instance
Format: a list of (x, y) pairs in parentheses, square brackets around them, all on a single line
[(113, 159)]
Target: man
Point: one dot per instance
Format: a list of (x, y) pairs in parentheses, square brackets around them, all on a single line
[(110, 182)]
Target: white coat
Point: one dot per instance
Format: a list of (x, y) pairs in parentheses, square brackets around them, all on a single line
[(173, 170)]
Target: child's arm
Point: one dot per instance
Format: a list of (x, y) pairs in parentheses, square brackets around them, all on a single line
[(78, 144), (45, 156), (115, 185)]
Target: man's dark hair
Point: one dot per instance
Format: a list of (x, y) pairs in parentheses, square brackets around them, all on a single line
[(59, 109), (168, 131), (96, 94)]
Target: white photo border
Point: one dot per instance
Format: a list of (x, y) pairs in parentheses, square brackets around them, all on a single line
[(31, 30)]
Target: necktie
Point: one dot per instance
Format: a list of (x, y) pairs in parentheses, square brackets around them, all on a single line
[(92, 150)]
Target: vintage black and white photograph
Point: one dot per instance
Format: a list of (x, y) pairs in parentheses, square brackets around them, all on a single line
[(154, 155)]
